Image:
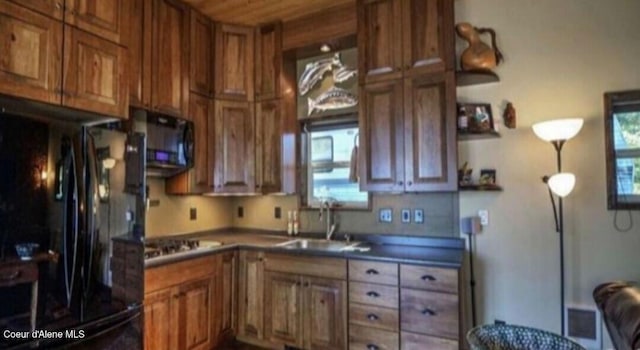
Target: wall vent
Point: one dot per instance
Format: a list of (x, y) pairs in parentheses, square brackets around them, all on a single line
[(584, 325)]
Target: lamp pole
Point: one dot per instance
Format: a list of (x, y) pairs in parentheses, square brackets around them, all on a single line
[(558, 147)]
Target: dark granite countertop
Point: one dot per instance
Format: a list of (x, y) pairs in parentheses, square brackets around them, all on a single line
[(435, 251)]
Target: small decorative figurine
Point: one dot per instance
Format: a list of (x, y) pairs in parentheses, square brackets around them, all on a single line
[(464, 175), (509, 116), (478, 56)]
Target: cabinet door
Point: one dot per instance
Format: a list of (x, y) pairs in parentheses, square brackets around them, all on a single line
[(234, 62), (196, 311), (106, 19), (379, 40), (31, 55), (170, 57), (283, 308), (161, 320), (228, 294), (95, 76), (381, 151), (268, 61), (52, 8), (234, 151), (325, 318), (136, 41), (427, 36), (430, 139), (268, 147), (201, 46), (251, 284), (198, 179)]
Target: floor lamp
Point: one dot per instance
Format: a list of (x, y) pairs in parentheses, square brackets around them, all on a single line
[(557, 132)]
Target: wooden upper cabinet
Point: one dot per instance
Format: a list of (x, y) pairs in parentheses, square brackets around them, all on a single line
[(161, 320), (234, 62), (325, 318), (268, 61), (283, 309), (428, 36), (138, 42), (196, 308), (201, 46), (170, 58), (31, 55), (430, 137), (234, 147), (104, 18), (379, 40), (51, 8), (268, 146), (251, 285), (95, 76), (381, 137)]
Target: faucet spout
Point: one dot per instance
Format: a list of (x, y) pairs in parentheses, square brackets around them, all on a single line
[(330, 225)]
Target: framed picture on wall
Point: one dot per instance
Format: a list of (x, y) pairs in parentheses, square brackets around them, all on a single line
[(479, 117)]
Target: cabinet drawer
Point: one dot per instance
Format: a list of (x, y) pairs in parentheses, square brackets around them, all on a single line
[(17, 274), (429, 278), (429, 313), (373, 294), (373, 272), (373, 316), (363, 338), (412, 341)]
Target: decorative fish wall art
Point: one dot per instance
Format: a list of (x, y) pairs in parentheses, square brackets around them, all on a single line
[(314, 72), (334, 98)]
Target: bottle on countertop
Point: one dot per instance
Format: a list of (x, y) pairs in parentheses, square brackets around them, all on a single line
[(289, 223)]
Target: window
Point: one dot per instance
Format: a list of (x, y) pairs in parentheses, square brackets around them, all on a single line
[(623, 149), (331, 167)]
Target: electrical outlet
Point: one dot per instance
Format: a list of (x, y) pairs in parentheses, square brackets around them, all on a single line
[(386, 215), (484, 217), (406, 216), (128, 215), (418, 216), (193, 214), (240, 212), (277, 212)]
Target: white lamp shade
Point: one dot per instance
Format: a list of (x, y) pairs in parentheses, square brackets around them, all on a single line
[(559, 129), (562, 183)]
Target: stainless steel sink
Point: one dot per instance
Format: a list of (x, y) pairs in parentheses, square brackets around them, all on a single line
[(317, 244)]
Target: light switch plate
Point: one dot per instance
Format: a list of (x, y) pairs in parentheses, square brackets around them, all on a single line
[(385, 215), (484, 217), (418, 216), (406, 216)]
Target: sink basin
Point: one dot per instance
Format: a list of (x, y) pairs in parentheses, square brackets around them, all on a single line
[(317, 244)]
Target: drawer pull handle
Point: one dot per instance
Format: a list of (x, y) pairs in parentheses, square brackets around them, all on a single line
[(373, 294), (372, 272), (428, 278), (428, 312), (372, 347), (373, 317)]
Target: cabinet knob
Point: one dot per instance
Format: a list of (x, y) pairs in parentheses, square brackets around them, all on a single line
[(428, 312), (373, 294), (373, 317), (372, 272), (400, 183), (306, 284), (409, 183), (428, 278)]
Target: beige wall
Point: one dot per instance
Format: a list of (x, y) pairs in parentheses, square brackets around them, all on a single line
[(172, 215), (561, 56), (440, 211)]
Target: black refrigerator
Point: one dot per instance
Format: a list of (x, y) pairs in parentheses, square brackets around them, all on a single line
[(82, 202)]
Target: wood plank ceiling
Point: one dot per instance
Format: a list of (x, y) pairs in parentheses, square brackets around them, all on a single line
[(253, 12)]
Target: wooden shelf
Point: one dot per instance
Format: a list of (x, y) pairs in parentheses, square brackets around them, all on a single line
[(466, 78), (464, 136), (486, 188)]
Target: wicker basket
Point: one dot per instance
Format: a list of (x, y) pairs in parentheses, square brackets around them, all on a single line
[(511, 337)]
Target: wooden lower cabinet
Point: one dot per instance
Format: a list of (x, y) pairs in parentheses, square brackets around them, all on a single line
[(227, 294), (160, 320), (283, 308), (195, 313), (251, 294)]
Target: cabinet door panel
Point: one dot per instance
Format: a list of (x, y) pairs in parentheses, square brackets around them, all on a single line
[(379, 40), (201, 45), (268, 61), (95, 74), (31, 58), (326, 313), (196, 308), (170, 58), (160, 320), (268, 147), (283, 308), (235, 153), (381, 137), (430, 313), (428, 36), (135, 41), (52, 8), (251, 306), (229, 268), (430, 144), (103, 18), (234, 62)]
